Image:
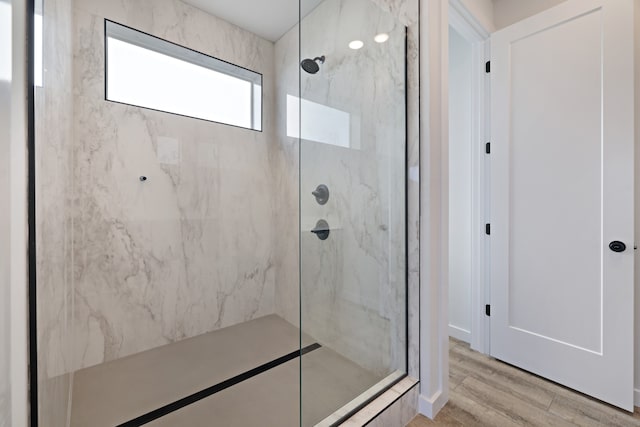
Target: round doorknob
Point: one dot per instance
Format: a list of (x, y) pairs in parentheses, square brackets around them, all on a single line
[(617, 246)]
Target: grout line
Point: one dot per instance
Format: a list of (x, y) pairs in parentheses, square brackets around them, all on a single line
[(551, 403)]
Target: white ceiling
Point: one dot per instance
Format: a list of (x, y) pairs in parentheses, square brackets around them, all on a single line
[(268, 19)]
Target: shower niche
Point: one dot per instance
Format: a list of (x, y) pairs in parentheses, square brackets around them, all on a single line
[(257, 275)]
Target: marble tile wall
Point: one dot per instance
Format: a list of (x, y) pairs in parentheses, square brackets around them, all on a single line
[(395, 407), (286, 166), (401, 412), (189, 250), (407, 12), (353, 284), (186, 252), (213, 239), (413, 186)]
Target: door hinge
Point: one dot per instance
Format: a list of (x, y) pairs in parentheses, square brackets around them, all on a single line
[(487, 67), (487, 229), (487, 310), (487, 148)]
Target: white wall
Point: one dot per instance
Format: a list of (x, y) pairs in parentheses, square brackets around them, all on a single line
[(460, 69), (483, 11), (434, 206), (507, 12)]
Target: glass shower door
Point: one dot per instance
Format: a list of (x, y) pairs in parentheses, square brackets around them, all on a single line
[(352, 205)]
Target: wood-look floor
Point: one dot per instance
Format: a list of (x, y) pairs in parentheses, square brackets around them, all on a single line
[(486, 392)]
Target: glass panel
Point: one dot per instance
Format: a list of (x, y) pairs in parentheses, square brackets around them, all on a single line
[(353, 127), (5, 217), (54, 152), (175, 258), (167, 288)]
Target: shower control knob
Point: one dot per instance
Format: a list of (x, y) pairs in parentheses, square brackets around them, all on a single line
[(321, 193), (321, 229)]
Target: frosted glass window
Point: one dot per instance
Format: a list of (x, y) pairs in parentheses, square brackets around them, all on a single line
[(5, 41), (37, 51), (319, 122), (149, 72), (5, 44)]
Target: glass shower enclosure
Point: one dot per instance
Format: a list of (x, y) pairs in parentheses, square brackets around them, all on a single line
[(352, 184), (221, 210)]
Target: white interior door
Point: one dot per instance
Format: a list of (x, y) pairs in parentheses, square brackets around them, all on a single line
[(562, 189)]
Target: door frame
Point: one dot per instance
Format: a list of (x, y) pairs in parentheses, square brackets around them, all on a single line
[(434, 205), (468, 26), (433, 223)]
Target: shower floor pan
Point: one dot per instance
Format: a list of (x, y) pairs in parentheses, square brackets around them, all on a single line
[(244, 375)]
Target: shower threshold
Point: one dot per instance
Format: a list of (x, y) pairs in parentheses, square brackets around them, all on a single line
[(243, 375)]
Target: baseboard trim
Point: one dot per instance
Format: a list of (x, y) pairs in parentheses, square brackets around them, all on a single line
[(636, 397), (460, 334), (430, 406)]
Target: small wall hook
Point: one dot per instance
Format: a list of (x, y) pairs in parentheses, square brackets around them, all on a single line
[(143, 178)]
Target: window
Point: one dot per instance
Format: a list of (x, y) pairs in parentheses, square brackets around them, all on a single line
[(149, 72), (5, 41), (38, 66), (320, 123)]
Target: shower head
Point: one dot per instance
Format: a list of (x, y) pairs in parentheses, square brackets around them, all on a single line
[(312, 66)]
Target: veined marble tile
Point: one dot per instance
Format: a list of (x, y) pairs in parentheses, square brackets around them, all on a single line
[(212, 238), (285, 161), (406, 11), (395, 407), (190, 250), (413, 191), (353, 284), (353, 288)]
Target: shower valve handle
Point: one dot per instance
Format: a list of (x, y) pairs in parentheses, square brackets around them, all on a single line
[(321, 229), (321, 193)]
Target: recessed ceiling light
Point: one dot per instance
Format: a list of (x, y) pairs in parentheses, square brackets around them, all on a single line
[(356, 44), (381, 38)]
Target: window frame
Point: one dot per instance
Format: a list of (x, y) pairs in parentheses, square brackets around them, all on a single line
[(144, 40)]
